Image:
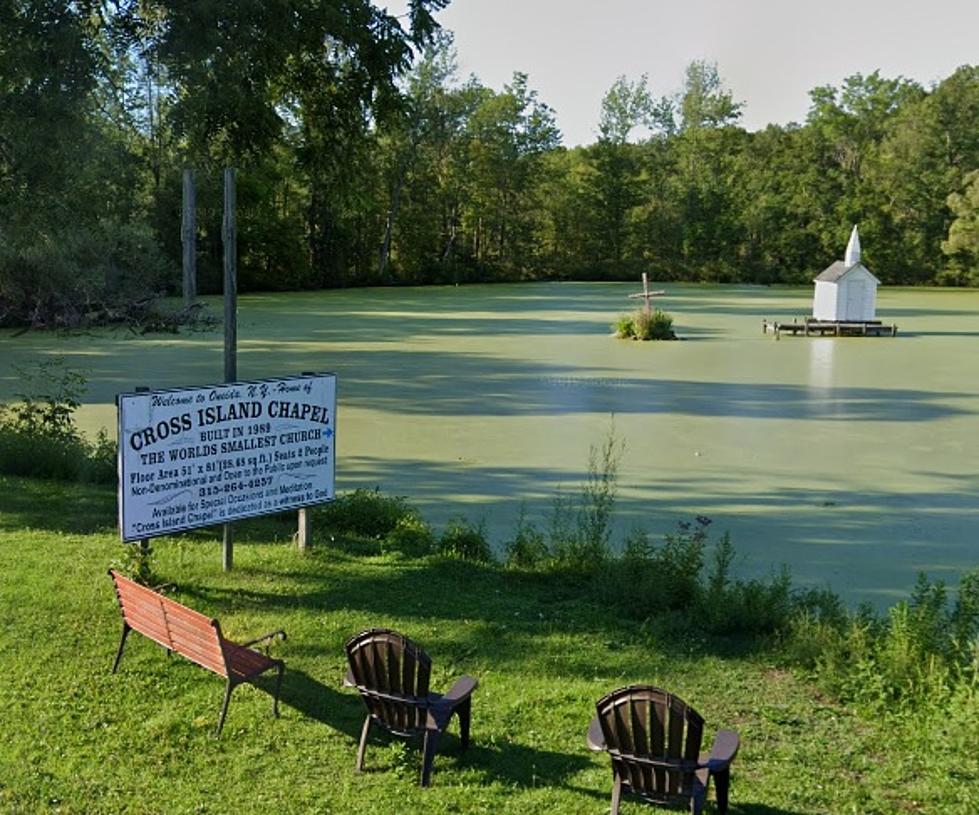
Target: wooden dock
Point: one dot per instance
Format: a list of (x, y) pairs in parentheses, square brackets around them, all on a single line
[(811, 327)]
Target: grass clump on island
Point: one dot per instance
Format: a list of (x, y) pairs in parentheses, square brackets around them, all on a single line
[(645, 325)]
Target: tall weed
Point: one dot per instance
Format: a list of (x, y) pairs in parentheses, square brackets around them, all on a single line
[(465, 540), (915, 655)]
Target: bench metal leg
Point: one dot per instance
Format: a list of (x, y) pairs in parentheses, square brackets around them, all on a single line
[(278, 687), (224, 707), (122, 644)]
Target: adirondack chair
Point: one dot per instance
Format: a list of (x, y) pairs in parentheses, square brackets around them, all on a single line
[(654, 741), (391, 673)]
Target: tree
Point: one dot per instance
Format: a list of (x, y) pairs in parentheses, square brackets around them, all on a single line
[(702, 188), (962, 244), (610, 185), (625, 106), (508, 134), (247, 77), (421, 117), (702, 102)]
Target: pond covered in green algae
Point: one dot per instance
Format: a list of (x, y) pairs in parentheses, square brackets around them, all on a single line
[(853, 460)]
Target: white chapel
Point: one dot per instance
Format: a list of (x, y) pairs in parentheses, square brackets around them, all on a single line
[(846, 291)]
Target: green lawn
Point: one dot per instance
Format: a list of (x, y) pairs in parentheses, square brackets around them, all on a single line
[(79, 739)]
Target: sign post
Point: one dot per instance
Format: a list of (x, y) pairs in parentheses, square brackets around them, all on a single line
[(230, 238), (188, 237), (210, 455)]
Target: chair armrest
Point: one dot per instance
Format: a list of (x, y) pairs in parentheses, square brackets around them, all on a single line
[(722, 751), (460, 691), (595, 738), (264, 638)]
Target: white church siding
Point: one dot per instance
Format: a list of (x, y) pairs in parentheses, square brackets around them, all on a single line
[(824, 301), (857, 293)]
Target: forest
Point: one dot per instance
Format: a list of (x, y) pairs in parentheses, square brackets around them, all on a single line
[(364, 158)]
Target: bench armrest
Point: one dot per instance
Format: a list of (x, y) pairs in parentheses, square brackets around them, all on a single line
[(722, 751), (595, 738), (264, 638)]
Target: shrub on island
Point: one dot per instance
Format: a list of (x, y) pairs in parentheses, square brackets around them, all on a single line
[(645, 325)]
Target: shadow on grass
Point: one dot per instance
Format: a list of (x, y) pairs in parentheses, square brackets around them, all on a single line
[(28, 503), (515, 764), (508, 618), (339, 711), (507, 762)]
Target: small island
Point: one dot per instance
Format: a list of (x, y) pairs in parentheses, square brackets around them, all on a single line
[(646, 323)]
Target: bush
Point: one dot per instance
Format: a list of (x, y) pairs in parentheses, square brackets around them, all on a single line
[(647, 580), (653, 325), (918, 654), (528, 549), (137, 564), (679, 582), (411, 536), (645, 325), (463, 539), (79, 276), (623, 327), (364, 513), (38, 435)]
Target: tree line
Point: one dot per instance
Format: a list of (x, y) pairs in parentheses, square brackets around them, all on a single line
[(365, 159)]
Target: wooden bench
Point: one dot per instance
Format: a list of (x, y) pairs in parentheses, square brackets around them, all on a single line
[(194, 636)]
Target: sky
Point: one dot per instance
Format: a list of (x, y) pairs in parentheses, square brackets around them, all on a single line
[(770, 53)]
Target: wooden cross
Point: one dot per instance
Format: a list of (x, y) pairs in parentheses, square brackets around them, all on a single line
[(646, 294)]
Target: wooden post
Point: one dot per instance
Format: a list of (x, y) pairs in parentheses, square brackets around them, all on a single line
[(188, 236), (304, 531), (144, 543), (303, 537), (229, 237)]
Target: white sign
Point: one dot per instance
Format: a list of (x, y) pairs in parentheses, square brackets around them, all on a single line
[(202, 456)]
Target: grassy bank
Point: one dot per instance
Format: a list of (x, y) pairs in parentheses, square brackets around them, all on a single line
[(78, 739)]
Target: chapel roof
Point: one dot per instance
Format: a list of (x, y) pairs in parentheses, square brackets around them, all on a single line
[(833, 273)]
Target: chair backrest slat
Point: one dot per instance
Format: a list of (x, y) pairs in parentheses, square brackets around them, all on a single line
[(674, 746), (695, 735), (643, 725)]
